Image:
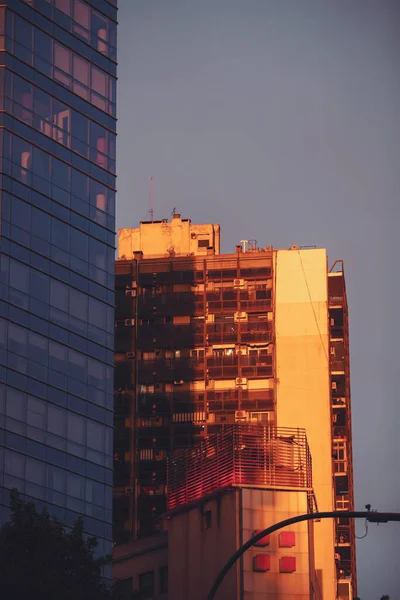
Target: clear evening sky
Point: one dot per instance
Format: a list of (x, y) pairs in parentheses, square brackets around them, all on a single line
[(279, 119)]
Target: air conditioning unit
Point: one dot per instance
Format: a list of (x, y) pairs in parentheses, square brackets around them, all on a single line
[(334, 385), (130, 355), (211, 418), (242, 381), (130, 292), (241, 415), (129, 490), (238, 283), (240, 316), (210, 318), (268, 248), (129, 322)]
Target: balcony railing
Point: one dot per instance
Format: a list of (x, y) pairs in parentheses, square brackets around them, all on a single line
[(243, 455)]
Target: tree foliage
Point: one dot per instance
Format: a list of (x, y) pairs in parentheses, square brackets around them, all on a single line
[(39, 559)]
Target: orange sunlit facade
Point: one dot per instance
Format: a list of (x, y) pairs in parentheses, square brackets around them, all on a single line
[(208, 341)]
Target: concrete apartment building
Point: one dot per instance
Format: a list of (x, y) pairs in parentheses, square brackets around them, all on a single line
[(209, 342)]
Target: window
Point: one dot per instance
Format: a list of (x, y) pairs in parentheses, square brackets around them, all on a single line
[(77, 365), (79, 182), (62, 64), (17, 339), (64, 6), (82, 19), (163, 580), (75, 486), (38, 348), (99, 33), (59, 295), (23, 34), (14, 464), (23, 97), (36, 412), (203, 243), (15, 406), (95, 436), (78, 304), (81, 77), (76, 428), (60, 175), (146, 584), (99, 83), (56, 420), (98, 143), (35, 471), (62, 123), (97, 313)]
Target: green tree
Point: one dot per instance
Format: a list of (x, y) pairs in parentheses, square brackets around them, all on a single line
[(385, 597), (40, 560)]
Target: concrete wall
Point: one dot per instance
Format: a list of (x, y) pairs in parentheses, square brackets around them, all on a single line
[(141, 556), (178, 237), (302, 371), (262, 508), (197, 553)]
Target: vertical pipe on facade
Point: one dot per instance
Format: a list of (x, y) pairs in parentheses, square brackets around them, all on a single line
[(205, 346), (239, 336), (134, 406)]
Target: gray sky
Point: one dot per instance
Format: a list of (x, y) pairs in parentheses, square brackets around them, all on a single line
[(279, 120)]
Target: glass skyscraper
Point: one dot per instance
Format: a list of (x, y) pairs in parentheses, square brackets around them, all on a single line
[(57, 186)]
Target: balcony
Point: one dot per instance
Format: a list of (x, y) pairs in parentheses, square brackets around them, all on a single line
[(243, 455)]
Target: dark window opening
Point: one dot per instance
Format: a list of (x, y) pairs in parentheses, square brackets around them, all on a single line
[(146, 584), (208, 519), (163, 580), (203, 243)]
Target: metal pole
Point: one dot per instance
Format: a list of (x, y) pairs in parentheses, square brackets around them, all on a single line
[(371, 516)]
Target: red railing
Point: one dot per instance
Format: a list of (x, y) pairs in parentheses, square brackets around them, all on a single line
[(243, 455)]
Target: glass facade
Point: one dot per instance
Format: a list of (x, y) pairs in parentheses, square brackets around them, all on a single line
[(57, 200)]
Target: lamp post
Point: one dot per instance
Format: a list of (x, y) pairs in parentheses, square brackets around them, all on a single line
[(371, 516)]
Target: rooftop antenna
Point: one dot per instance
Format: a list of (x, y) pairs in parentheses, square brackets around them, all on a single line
[(173, 211), (151, 212)]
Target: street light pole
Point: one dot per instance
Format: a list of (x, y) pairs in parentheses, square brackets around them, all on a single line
[(371, 516)]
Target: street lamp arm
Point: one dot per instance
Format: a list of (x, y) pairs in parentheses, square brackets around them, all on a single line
[(372, 516)]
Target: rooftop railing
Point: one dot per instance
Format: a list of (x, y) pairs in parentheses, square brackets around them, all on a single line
[(243, 455)]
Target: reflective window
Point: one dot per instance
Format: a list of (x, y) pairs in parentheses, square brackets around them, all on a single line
[(75, 486), (61, 123), (19, 276), (36, 412), (15, 404), (14, 464), (95, 435), (64, 65), (35, 471), (56, 420), (83, 21), (76, 428)]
